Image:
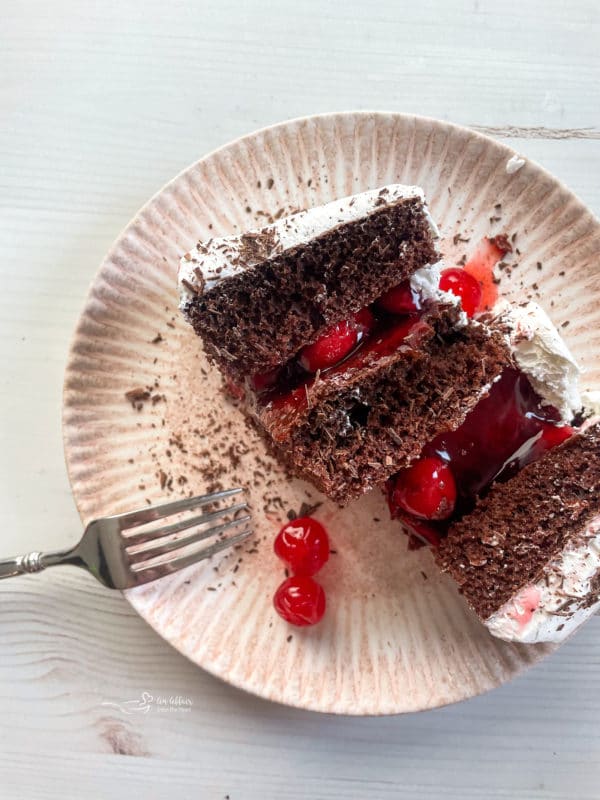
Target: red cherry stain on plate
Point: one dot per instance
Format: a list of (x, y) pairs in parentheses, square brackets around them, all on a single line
[(481, 267)]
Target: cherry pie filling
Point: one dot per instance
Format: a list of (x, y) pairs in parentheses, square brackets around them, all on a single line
[(368, 335), (507, 429)]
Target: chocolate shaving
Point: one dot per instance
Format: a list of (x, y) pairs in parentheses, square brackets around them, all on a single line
[(190, 286), (137, 397), (502, 243)]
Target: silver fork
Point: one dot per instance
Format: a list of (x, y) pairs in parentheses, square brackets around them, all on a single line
[(121, 560)]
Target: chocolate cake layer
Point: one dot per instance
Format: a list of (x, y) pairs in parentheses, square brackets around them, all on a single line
[(505, 543), (353, 428), (261, 316)]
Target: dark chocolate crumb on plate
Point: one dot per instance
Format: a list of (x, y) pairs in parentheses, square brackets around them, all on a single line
[(137, 397)]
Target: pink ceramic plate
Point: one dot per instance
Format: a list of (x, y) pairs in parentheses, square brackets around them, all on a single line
[(397, 637)]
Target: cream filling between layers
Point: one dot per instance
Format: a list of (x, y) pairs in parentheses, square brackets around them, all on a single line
[(223, 257)]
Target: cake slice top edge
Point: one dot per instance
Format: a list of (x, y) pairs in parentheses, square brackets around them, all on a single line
[(216, 259)]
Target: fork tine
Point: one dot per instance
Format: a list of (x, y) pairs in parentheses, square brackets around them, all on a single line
[(143, 515), (184, 541), (151, 572), (182, 525)]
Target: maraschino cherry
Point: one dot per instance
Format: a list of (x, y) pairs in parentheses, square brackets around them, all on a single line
[(553, 435), (398, 300), (300, 600), (336, 342), (463, 285), (303, 545), (426, 489)]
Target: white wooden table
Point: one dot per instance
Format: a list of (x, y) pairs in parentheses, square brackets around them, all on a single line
[(100, 104)]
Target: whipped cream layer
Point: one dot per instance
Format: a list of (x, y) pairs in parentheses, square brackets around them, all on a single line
[(213, 261), (542, 355), (566, 594), (591, 402)]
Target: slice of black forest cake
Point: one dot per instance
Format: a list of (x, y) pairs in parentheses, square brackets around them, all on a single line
[(333, 328)]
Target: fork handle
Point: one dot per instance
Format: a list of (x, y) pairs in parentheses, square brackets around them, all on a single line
[(33, 562)]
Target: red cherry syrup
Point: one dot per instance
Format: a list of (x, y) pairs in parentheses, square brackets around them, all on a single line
[(505, 431), (481, 267)]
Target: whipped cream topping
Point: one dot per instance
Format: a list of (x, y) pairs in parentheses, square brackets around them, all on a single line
[(514, 164), (566, 594), (425, 282), (217, 259), (542, 355), (591, 401)]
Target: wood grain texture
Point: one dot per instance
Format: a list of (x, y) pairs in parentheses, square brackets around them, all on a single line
[(102, 105)]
